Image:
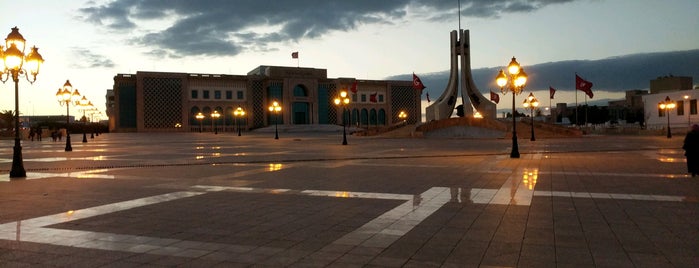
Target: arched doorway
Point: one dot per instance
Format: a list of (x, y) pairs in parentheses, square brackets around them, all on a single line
[(300, 110)]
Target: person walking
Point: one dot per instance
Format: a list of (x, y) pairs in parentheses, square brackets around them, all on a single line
[(691, 150)]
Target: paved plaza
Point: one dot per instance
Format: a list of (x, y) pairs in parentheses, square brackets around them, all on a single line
[(305, 200)]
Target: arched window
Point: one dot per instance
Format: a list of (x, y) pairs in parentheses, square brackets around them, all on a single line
[(364, 117), (372, 117), (382, 117), (300, 91)]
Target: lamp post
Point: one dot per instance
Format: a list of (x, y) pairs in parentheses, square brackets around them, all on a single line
[(84, 104), (214, 117), (66, 95), (343, 100), (667, 105), (514, 83), (238, 113), (689, 111), (14, 60), (402, 115), (275, 108), (531, 103), (200, 116)]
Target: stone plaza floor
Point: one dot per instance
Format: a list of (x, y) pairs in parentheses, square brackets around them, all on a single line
[(305, 200)]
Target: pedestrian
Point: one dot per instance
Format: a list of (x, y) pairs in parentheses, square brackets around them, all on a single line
[(691, 150), (38, 133), (31, 133)]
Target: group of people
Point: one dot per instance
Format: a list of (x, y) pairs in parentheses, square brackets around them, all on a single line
[(36, 132)]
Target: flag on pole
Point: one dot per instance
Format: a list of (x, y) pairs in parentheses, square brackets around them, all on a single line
[(427, 94), (417, 83), (583, 85), (494, 97), (354, 87), (552, 91), (295, 55)]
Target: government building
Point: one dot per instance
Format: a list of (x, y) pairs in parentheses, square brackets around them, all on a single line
[(170, 102)]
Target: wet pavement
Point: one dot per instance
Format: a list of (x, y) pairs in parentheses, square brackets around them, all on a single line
[(205, 200)]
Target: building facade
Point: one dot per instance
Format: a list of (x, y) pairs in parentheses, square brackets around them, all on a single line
[(678, 90), (169, 102)]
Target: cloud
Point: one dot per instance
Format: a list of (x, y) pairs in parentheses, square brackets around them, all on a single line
[(616, 74), (227, 28), (87, 59)]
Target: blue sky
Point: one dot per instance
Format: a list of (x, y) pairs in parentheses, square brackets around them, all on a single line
[(89, 42)]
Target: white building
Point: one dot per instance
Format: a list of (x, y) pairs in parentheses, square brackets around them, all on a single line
[(680, 118)]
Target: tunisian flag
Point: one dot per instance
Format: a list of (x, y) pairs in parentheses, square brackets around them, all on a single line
[(354, 87), (295, 55), (417, 83), (494, 97), (583, 85), (552, 91)]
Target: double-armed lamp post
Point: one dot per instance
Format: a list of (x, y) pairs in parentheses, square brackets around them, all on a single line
[(275, 108), (531, 103), (214, 117), (343, 100), (14, 65), (238, 113), (666, 106), (514, 83), (67, 96), (200, 116)]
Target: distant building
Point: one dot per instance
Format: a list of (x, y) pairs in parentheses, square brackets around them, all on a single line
[(162, 102), (630, 109), (678, 90), (670, 83)]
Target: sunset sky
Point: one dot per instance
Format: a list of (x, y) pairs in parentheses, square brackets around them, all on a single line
[(89, 42)]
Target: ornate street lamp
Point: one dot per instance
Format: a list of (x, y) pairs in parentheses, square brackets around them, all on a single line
[(66, 95), (689, 110), (14, 61), (214, 117), (513, 83), (402, 116), (84, 106), (531, 103), (667, 105), (238, 113), (200, 116), (343, 100), (275, 108)]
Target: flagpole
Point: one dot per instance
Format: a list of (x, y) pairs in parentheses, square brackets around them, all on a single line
[(585, 109), (576, 108)]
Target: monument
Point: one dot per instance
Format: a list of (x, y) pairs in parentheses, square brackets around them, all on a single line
[(472, 99)]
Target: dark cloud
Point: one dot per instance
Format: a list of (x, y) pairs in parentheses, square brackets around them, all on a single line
[(616, 74), (226, 28), (85, 59)]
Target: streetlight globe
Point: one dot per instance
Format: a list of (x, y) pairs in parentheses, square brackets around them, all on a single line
[(513, 67), (13, 58), (343, 94), (337, 101), (521, 79), (15, 38), (34, 61), (501, 79)]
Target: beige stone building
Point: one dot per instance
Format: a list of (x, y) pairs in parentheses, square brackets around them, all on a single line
[(169, 102)]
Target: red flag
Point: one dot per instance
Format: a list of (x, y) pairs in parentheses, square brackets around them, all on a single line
[(552, 91), (494, 97), (427, 94), (417, 84), (295, 55), (372, 97), (583, 85), (353, 88)]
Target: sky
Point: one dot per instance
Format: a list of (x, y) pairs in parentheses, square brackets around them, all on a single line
[(89, 42)]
